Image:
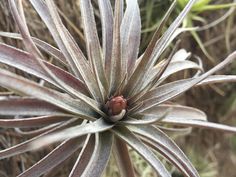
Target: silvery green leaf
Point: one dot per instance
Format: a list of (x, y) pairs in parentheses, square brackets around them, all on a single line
[(100, 156), (55, 157), (25, 146), (76, 131), (25, 106), (29, 88), (67, 45), (41, 44), (84, 156), (130, 36), (133, 141), (122, 157), (171, 90), (32, 121), (24, 61), (166, 147)]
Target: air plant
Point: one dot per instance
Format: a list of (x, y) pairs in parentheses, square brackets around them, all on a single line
[(105, 102)]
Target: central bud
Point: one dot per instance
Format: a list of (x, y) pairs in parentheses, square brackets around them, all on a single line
[(116, 108)]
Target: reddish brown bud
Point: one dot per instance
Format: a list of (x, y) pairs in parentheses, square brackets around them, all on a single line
[(116, 104)]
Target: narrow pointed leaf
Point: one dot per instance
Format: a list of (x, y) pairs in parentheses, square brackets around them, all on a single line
[(107, 30), (167, 148), (33, 121), (143, 150), (217, 79), (24, 106), (136, 76), (142, 119), (116, 72), (84, 157), (171, 90), (26, 87), (25, 146), (201, 124), (101, 155), (67, 45), (41, 44), (24, 61), (130, 35), (94, 127), (153, 55), (54, 158), (123, 160), (92, 40)]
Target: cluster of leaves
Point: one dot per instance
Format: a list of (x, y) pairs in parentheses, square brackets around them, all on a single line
[(103, 103)]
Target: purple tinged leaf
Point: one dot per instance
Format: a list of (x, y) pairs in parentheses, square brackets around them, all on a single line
[(123, 160), (43, 12), (137, 75), (115, 71), (130, 36), (41, 44), (24, 61), (67, 45), (100, 156), (27, 87), (54, 158), (154, 53), (171, 90), (94, 127), (84, 157), (127, 136), (92, 41), (33, 121), (25, 146), (24, 106), (36, 54), (19, 18), (166, 147), (107, 30)]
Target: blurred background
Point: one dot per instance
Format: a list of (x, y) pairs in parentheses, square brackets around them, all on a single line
[(212, 153)]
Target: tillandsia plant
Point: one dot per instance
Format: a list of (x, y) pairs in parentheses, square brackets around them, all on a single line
[(105, 102)]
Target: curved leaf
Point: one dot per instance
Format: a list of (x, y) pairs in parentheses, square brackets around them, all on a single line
[(167, 148), (67, 45), (94, 127), (175, 112), (130, 35), (54, 158), (143, 150), (43, 45), (32, 121), (24, 61), (84, 157), (171, 90), (107, 30), (22, 85), (100, 156), (25, 106), (25, 146), (92, 40)]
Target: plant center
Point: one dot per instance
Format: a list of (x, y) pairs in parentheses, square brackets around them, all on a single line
[(116, 108)]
